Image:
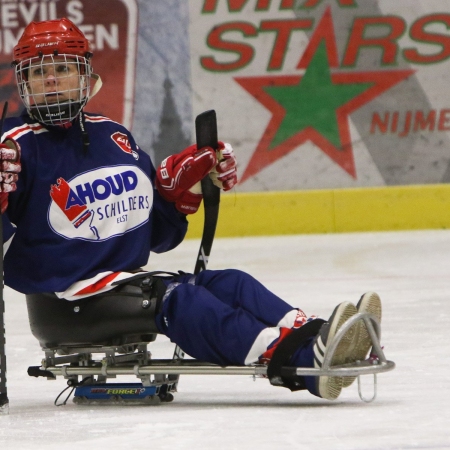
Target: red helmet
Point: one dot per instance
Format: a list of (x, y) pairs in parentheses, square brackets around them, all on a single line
[(48, 46), (51, 37)]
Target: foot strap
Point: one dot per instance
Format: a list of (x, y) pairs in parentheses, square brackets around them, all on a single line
[(277, 370)]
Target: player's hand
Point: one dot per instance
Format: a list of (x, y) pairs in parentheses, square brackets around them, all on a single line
[(224, 174), (178, 177), (9, 169)]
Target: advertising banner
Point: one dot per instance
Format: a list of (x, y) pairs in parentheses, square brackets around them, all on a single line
[(326, 93), (111, 28)]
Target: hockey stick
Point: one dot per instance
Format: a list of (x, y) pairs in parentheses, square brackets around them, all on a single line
[(4, 402), (206, 136)]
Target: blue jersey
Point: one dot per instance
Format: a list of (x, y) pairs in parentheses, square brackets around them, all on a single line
[(81, 220), (81, 216)]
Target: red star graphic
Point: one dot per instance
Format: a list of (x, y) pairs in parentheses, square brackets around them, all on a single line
[(267, 153)]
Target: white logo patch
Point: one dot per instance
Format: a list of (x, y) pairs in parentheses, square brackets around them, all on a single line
[(100, 204)]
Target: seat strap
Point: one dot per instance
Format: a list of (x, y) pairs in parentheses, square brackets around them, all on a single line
[(141, 275)]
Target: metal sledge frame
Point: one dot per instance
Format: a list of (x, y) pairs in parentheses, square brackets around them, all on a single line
[(135, 360)]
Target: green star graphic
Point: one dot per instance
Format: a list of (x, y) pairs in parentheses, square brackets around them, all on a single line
[(313, 101)]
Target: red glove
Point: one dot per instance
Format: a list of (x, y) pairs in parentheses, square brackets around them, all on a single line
[(10, 167), (224, 174), (178, 177)]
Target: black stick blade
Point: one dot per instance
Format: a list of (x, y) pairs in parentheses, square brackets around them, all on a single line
[(206, 129)]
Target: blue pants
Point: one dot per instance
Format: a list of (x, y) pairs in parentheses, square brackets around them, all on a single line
[(216, 316)]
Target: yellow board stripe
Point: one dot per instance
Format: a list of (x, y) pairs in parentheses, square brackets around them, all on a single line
[(330, 210)]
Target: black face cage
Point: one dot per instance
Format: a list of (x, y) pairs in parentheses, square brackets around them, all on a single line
[(63, 104)]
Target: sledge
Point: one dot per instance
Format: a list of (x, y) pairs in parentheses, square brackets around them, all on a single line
[(111, 341), (89, 368)]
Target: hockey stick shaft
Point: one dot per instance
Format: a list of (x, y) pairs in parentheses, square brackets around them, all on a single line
[(4, 402), (206, 136)]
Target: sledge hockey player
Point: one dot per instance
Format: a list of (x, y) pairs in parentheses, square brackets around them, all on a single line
[(83, 206)]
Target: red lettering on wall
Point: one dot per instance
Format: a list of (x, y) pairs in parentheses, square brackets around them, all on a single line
[(388, 44), (215, 40), (324, 31), (314, 3), (444, 119), (283, 29), (210, 6), (419, 34), (380, 123), (422, 123), (412, 121)]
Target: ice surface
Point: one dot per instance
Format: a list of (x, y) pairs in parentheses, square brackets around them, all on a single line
[(410, 271)]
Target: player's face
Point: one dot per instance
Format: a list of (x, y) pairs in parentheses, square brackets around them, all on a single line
[(53, 80)]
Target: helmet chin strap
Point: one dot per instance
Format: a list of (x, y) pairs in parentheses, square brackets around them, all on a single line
[(57, 114)]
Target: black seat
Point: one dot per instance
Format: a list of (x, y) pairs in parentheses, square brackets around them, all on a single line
[(114, 318)]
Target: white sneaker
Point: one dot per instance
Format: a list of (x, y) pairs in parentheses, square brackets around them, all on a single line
[(369, 303), (330, 387)]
